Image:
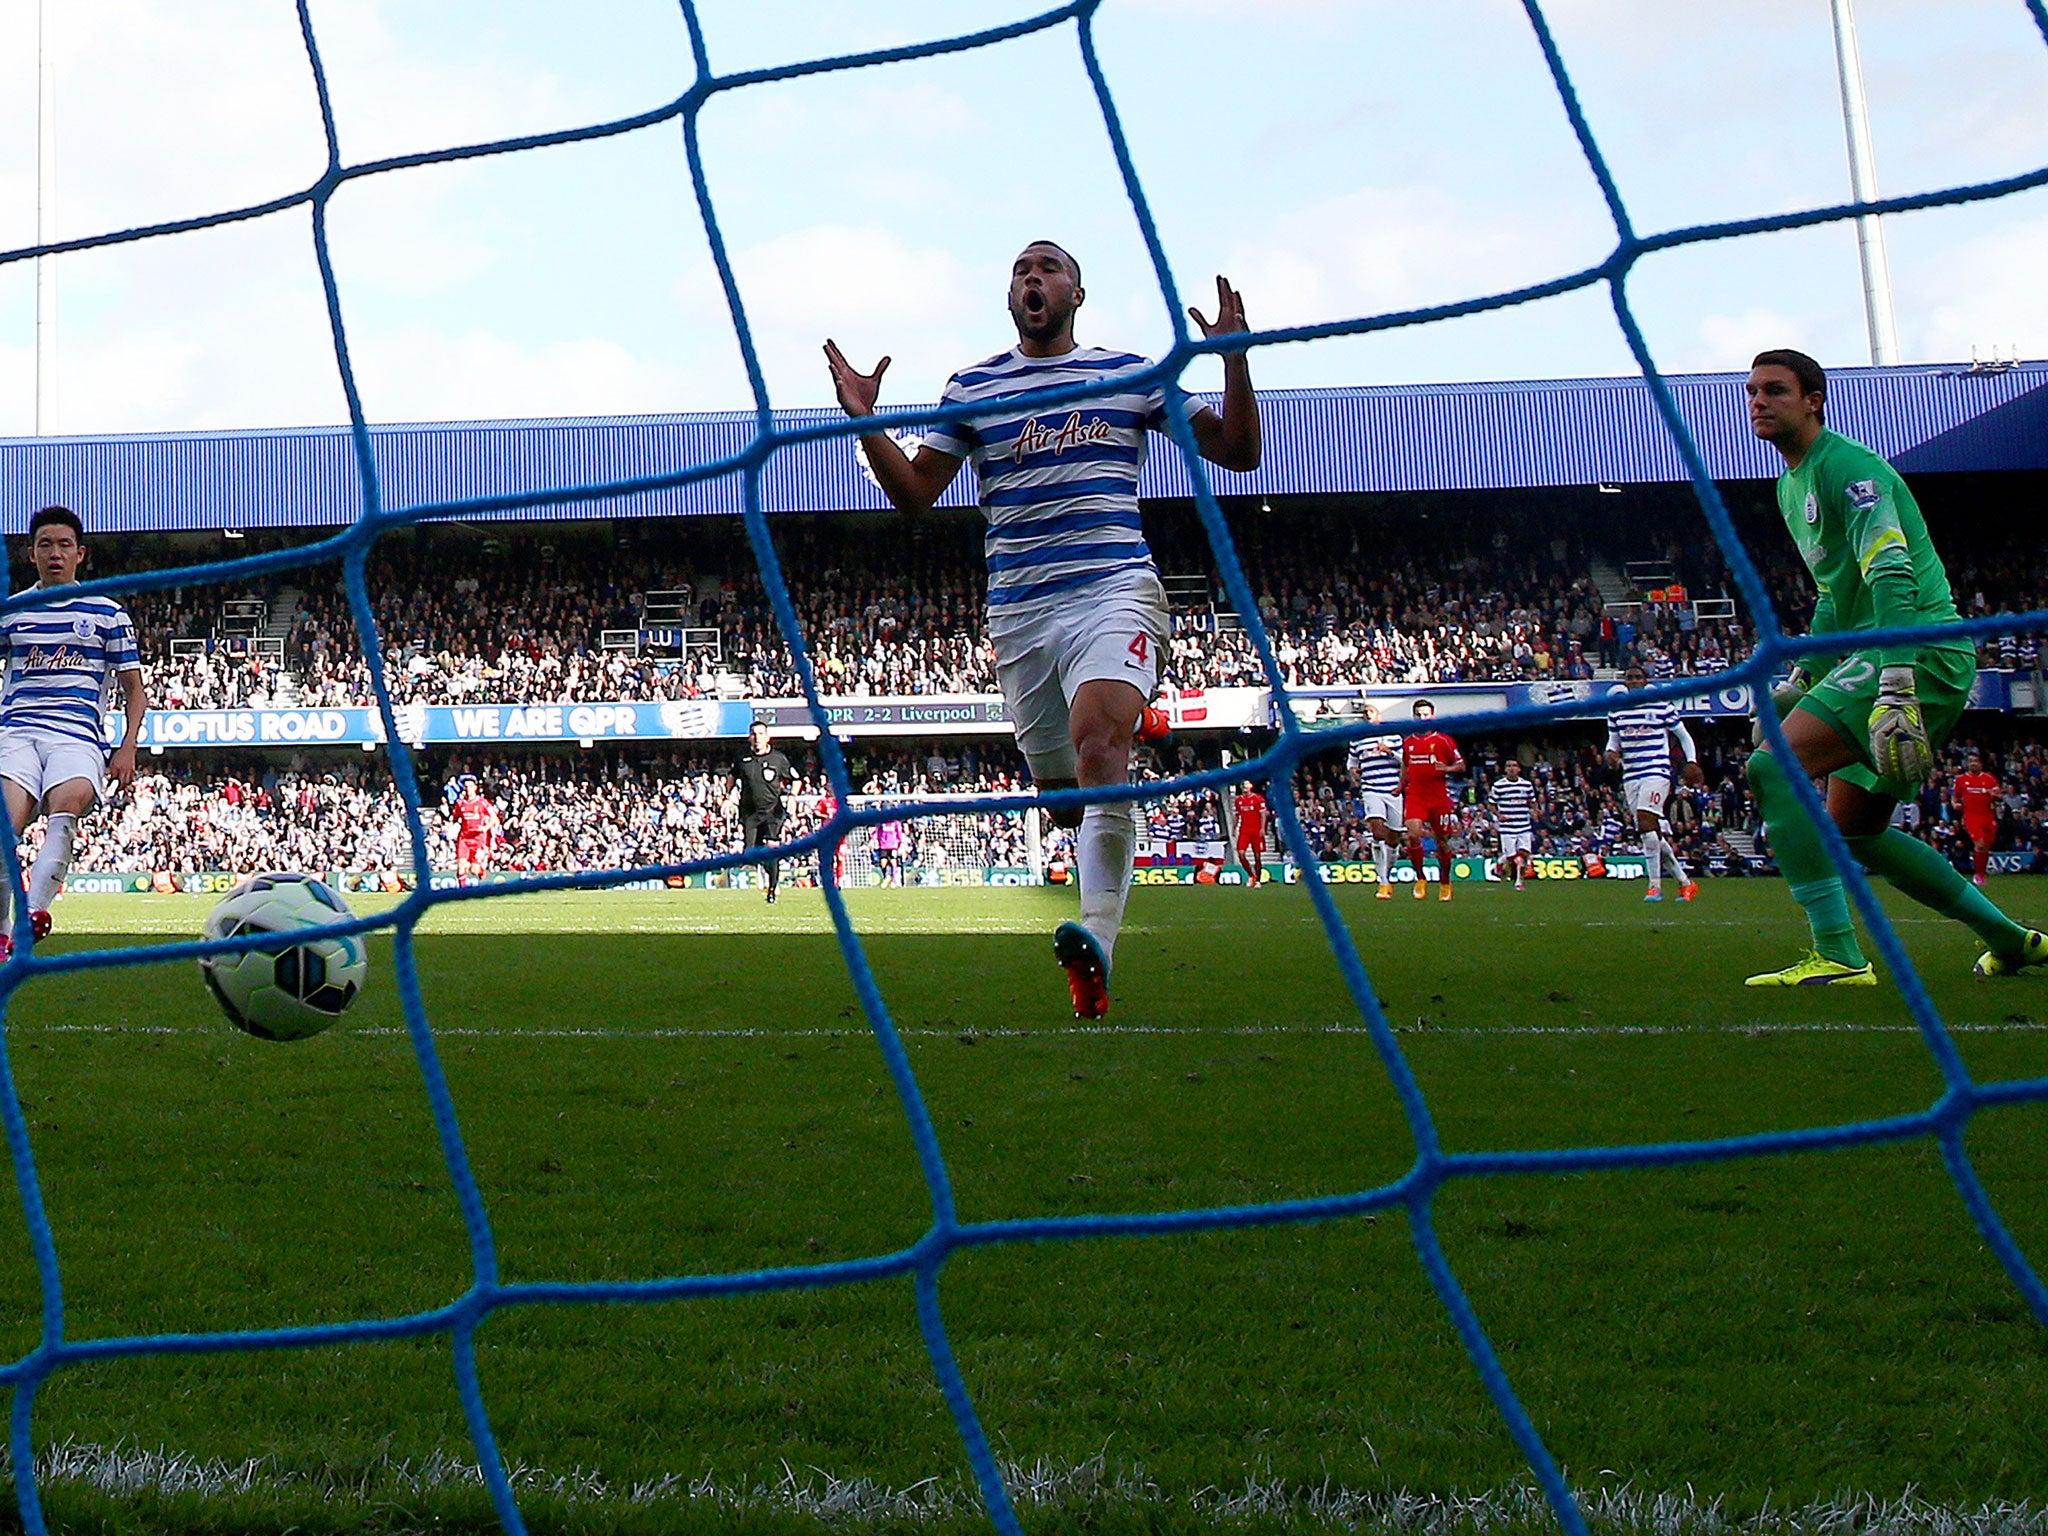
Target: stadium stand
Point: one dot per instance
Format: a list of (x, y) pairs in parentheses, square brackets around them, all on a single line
[(1423, 590), (605, 809)]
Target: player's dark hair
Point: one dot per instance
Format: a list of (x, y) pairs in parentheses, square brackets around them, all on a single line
[(63, 517), (1813, 379), (1073, 266)]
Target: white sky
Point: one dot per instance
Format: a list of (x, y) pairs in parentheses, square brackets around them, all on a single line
[(1336, 159)]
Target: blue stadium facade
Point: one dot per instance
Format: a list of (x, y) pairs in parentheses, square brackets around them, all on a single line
[(1447, 437)]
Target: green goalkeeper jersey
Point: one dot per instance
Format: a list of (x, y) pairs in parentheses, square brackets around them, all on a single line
[(1862, 536)]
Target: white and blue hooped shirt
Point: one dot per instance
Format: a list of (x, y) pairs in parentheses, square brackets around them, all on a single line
[(1642, 735), (1059, 484), (61, 659)]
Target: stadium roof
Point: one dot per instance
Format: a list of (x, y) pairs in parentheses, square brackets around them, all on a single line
[(1555, 432)]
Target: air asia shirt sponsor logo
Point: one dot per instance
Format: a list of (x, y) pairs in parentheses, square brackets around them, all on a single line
[(1036, 437), (45, 658)]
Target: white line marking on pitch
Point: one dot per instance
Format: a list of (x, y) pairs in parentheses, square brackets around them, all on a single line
[(926, 1032)]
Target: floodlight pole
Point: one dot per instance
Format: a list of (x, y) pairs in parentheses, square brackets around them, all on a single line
[(1877, 275), (46, 226)]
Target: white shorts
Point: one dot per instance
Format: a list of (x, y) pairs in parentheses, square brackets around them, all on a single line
[(39, 762), (1512, 843), (1648, 795), (1121, 635), (1386, 807)]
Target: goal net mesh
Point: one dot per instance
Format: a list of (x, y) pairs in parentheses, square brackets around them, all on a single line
[(939, 840)]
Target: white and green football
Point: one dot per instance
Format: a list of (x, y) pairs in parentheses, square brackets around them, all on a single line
[(283, 991)]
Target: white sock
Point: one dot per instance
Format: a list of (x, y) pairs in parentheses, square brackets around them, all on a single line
[(1383, 862), (1653, 853), (46, 877), (1106, 847), (1671, 858)]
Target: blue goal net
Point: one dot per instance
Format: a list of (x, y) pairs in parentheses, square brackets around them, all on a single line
[(1944, 1121)]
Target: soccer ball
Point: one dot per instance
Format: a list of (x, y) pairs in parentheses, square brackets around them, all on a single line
[(284, 991)]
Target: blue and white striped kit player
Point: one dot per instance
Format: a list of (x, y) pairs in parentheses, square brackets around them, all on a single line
[(1072, 590), (1513, 802), (61, 661), (1076, 610), (1641, 736), (62, 658), (1375, 764), (1512, 799)]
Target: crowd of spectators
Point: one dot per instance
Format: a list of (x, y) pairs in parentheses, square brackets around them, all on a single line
[(556, 813), (597, 810), (890, 609), (472, 619), (1414, 591)]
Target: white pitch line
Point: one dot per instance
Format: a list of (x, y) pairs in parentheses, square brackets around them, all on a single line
[(1059, 1032), (1609, 1502)]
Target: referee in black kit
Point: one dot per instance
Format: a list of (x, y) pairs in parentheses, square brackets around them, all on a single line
[(764, 775)]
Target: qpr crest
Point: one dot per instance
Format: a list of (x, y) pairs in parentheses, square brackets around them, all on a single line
[(81, 626), (1812, 508), (909, 442), (690, 718)]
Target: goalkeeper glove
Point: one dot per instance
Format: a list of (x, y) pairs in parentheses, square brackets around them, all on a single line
[(1784, 699), (1898, 736)]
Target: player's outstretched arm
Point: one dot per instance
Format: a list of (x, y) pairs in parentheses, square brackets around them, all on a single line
[(1232, 439), (912, 485)]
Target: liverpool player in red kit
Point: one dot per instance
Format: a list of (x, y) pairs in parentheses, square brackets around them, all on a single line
[(476, 819), (1426, 759), (1977, 794), (1250, 806)]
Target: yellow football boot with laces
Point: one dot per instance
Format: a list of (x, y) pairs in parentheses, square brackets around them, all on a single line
[(1817, 970)]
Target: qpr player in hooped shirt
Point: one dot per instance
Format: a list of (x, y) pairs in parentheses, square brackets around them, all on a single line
[(62, 657), (1076, 610)]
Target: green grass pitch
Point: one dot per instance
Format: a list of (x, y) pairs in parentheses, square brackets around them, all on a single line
[(680, 1082)]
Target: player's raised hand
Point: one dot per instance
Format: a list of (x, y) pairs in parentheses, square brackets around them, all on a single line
[(857, 391), (1229, 311)]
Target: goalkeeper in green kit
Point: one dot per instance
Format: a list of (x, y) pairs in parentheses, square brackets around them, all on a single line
[(1872, 724)]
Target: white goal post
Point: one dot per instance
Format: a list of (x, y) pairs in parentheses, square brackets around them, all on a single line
[(942, 849)]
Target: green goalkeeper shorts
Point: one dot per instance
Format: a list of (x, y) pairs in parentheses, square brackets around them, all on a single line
[(1943, 675)]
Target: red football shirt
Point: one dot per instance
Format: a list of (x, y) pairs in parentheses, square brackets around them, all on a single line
[(1979, 794), (473, 814), (1428, 758), (1251, 816)]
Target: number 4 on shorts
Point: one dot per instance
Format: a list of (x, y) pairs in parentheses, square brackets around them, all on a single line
[(1141, 647)]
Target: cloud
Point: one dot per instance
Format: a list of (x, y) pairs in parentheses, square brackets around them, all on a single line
[(1728, 342), (865, 286), (423, 375), (839, 274), (1992, 298), (1381, 249)]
